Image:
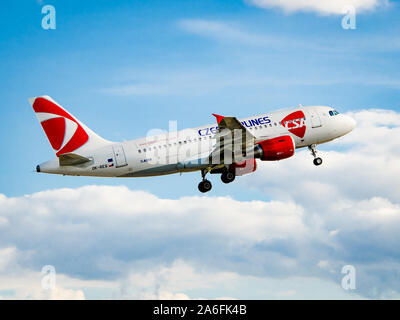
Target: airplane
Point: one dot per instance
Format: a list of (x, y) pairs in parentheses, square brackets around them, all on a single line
[(230, 147)]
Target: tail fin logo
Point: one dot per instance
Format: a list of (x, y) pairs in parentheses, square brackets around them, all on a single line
[(295, 123), (63, 131)]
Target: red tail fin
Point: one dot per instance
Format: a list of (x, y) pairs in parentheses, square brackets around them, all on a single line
[(65, 133)]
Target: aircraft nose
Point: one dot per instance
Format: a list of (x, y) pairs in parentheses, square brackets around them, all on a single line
[(348, 124), (351, 123)]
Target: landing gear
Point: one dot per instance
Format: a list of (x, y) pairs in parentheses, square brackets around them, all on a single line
[(313, 148), (228, 176), (317, 161), (205, 185)]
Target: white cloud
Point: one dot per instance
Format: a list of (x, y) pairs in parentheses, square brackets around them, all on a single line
[(323, 264), (223, 31), (249, 220), (98, 221), (322, 7), (286, 294), (7, 257), (27, 284), (57, 293), (235, 34), (168, 282)]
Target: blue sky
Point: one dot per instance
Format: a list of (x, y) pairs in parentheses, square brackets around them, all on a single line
[(126, 68)]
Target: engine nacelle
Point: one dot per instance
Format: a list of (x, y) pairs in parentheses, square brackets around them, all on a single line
[(275, 149), (245, 167)]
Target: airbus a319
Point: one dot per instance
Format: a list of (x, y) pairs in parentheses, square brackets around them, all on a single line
[(229, 147)]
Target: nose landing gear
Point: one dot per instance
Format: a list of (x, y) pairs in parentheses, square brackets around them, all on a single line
[(317, 160)]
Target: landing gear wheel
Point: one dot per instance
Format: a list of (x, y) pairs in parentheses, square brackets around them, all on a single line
[(228, 177), (205, 186), (313, 148), (317, 161)]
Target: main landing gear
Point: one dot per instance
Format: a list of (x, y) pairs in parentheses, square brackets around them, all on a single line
[(205, 185), (317, 160), (227, 176)]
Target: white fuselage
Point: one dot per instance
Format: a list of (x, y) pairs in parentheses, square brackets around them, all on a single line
[(171, 152)]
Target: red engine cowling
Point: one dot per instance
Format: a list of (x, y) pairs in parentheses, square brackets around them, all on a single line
[(245, 167), (275, 149)]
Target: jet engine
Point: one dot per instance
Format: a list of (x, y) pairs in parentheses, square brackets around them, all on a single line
[(274, 149)]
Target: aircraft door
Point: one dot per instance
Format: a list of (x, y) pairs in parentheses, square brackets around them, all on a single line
[(315, 118), (120, 158)]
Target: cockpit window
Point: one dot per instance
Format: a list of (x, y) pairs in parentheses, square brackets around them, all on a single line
[(333, 113)]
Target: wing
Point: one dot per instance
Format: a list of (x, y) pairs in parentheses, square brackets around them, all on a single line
[(234, 141)]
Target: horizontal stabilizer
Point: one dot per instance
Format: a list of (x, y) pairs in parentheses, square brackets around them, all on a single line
[(72, 159)]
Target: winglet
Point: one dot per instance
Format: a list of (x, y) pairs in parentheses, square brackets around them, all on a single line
[(218, 117)]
